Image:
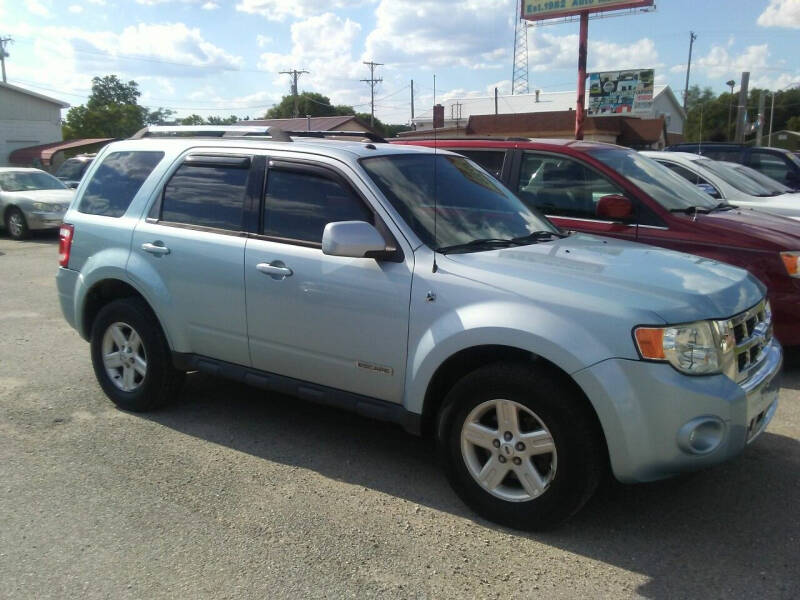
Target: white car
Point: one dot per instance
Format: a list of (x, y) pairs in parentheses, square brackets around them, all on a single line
[(31, 199), (727, 183)]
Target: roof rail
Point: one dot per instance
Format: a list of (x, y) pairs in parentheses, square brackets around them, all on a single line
[(214, 131), (372, 137)]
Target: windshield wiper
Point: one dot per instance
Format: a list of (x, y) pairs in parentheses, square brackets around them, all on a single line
[(690, 210), (723, 206), (491, 243)]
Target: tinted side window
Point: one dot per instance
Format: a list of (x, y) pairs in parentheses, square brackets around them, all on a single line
[(690, 176), (208, 196), (729, 154), (770, 165), (300, 204), (560, 186), (116, 181), (490, 160)]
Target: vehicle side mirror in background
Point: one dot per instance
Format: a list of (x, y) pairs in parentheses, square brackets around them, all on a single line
[(614, 207), (356, 239), (73, 185), (708, 189)]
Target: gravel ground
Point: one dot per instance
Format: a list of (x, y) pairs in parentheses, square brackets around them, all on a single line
[(235, 493)]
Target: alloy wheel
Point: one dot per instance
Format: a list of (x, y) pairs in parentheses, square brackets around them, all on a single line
[(124, 356)]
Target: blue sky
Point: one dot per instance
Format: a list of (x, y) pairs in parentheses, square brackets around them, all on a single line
[(223, 57)]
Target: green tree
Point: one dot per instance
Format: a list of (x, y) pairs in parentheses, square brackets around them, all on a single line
[(112, 110), (232, 120), (193, 120), (308, 103), (793, 124)]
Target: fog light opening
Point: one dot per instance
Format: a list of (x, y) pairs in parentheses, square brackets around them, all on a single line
[(702, 435)]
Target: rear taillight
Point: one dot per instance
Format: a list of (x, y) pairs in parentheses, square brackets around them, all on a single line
[(65, 243)]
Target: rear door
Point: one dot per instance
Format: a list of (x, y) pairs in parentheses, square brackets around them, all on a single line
[(567, 191), (193, 241)]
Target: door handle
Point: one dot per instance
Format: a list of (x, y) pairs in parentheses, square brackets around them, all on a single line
[(157, 248), (276, 269)]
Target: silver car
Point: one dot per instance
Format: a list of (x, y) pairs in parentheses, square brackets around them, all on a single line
[(31, 199), (407, 284)]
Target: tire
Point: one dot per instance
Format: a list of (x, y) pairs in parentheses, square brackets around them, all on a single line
[(125, 381), (16, 225), (551, 414)]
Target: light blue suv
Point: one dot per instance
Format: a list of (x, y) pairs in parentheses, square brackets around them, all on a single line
[(408, 285)]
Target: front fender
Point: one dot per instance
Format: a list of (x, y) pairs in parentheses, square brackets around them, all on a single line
[(524, 326)]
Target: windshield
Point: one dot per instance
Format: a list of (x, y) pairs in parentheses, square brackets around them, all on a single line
[(733, 178), (468, 203), (26, 181), (72, 169), (768, 182), (667, 188)]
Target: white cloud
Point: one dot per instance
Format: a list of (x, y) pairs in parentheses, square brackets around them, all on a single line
[(280, 10), (210, 6), (720, 63), (781, 13), (75, 8), (37, 8), (561, 52)]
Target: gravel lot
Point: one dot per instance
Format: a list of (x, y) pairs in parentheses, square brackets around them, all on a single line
[(233, 493)]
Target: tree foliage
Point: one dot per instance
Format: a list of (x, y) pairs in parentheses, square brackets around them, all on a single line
[(112, 110), (707, 113)]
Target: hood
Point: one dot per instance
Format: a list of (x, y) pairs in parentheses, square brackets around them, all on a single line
[(47, 196), (608, 277), (746, 227), (786, 205)]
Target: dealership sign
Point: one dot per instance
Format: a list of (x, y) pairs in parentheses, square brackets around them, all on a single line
[(619, 92), (536, 10)]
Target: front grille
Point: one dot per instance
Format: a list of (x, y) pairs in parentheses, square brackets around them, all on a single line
[(752, 331)]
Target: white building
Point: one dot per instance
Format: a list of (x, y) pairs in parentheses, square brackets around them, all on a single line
[(27, 119), (458, 110)]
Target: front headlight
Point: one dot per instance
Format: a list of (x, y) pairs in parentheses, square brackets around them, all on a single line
[(695, 348), (41, 207), (791, 260)]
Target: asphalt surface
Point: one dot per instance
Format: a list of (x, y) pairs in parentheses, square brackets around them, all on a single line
[(235, 493)]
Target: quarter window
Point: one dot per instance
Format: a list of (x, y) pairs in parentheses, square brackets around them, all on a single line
[(206, 196), (300, 204), (490, 160), (561, 186), (116, 181)]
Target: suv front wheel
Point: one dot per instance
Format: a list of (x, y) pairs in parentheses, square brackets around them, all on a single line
[(520, 447), (131, 357)]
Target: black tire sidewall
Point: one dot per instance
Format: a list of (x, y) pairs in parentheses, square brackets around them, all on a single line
[(134, 313), (576, 445)]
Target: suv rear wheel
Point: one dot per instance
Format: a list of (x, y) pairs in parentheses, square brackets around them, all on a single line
[(520, 447), (131, 357)]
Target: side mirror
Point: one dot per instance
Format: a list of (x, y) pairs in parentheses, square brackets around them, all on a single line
[(708, 189), (73, 185), (356, 239), (614, 207)]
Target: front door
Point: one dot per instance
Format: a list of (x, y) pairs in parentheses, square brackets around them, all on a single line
[(567, 191), (335, 321)]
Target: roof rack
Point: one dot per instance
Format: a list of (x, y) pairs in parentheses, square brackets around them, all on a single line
[(372, 137), (219, 131)]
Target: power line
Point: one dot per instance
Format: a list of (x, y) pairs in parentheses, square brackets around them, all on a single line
[(372, 83), (294, 74)]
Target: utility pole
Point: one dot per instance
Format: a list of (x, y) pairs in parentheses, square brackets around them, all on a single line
[(412, 103), (692, 38), (295, 75), (372, 83), (4, 54), (455, 113), (741, 109), (771, 114), (760, 130), (495, 100)]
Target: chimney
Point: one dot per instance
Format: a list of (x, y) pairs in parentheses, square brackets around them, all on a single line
[(438, 116), (537, 95)]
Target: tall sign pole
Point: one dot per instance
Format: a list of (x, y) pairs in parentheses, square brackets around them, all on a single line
[(583, 41), (741, 109), (692, 38)]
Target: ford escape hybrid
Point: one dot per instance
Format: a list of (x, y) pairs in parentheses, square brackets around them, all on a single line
[(408, 285)]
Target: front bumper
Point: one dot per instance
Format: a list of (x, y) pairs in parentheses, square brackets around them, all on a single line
[(44, 220), (659, 422)]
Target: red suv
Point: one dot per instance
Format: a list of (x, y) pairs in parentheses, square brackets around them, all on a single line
[(614, 191)]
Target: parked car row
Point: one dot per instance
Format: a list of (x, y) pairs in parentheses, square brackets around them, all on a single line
[(407, 284)]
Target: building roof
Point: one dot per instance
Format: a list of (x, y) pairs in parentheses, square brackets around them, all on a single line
[(45, 152), (20, 90), (301, 123), (526, 103)]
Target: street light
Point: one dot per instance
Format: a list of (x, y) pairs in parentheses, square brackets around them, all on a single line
[(730, 84)]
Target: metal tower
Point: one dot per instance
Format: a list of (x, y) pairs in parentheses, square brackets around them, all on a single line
[(519, 80)]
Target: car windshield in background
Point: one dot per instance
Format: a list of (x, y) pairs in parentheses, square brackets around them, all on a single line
[(72, 169), (667, 188), (767, 182), (468, 204), (27, 181), (733, 178)]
